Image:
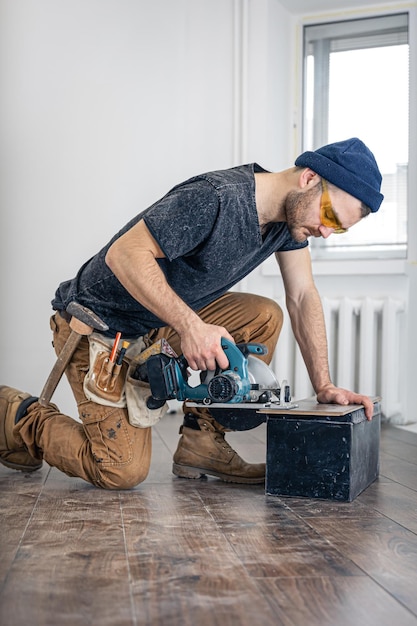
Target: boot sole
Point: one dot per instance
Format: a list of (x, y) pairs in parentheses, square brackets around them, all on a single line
[(186, 471), (21, 468)]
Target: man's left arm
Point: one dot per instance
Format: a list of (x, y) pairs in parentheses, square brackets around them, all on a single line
[(307, 321)]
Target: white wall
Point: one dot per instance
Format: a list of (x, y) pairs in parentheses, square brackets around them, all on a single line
[(106, 104)]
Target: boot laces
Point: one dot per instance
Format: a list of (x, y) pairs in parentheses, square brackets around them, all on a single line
[(219, 437)]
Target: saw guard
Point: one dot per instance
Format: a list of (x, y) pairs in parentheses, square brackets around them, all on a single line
[(261, 374)]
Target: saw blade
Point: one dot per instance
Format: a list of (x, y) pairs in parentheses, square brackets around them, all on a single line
[(261, 374)]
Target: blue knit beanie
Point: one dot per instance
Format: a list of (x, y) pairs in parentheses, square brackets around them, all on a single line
[(349, 165)]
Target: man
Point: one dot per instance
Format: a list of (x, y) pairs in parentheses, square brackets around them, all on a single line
[(167, 274)]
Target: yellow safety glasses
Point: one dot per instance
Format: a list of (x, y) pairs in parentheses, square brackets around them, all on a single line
[(327, 215)]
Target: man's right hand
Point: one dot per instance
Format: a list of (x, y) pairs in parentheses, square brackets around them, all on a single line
[(201, 346)]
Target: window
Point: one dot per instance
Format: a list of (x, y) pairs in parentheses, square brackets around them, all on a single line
[(356, 76)]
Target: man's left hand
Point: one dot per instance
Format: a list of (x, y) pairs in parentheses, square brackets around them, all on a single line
[(337, 395)]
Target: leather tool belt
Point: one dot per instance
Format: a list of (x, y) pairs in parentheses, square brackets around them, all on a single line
[(110, 384)]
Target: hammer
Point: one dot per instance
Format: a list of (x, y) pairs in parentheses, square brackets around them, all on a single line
[(82, 324)]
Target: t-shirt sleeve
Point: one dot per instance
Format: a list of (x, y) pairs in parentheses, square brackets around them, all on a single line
[(184, 218), (283, 242), (291, 244)]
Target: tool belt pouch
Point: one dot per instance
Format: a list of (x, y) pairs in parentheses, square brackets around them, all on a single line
[(113, 385), (105, 381)]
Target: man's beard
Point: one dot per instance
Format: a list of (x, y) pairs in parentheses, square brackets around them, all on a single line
[(297, 208)]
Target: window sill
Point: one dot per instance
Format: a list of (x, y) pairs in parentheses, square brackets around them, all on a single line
[(344, 267)]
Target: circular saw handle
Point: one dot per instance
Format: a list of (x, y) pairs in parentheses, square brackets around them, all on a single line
[(252, 348)]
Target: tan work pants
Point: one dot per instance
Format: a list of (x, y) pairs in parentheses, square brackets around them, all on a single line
[(104, 449)]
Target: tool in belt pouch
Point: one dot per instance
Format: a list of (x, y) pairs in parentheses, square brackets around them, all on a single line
[(123, 385)]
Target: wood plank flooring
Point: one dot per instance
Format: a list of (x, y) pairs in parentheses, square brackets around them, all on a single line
[(182, 552)]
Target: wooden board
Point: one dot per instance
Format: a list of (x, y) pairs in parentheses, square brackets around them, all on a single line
[(310, 406)]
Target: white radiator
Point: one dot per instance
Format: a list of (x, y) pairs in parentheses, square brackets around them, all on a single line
[(365, 344)]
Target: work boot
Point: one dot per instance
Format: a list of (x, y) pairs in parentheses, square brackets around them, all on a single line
[(202, 449), (13, 405)]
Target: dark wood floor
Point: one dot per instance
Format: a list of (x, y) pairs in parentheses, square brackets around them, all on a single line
[(180, 552)]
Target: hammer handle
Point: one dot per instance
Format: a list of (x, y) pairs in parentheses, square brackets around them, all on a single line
[(58, 369)]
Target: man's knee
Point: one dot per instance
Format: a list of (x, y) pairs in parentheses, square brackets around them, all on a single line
[(270, 311), (264, 324), (124, 478), (266, 315)]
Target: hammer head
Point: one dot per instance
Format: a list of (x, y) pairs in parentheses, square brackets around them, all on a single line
[(83, 314)]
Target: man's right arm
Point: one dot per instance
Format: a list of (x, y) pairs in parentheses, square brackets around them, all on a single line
[(132, 259)]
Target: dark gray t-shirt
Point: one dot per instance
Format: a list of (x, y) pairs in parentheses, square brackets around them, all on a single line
[(209, 231)]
